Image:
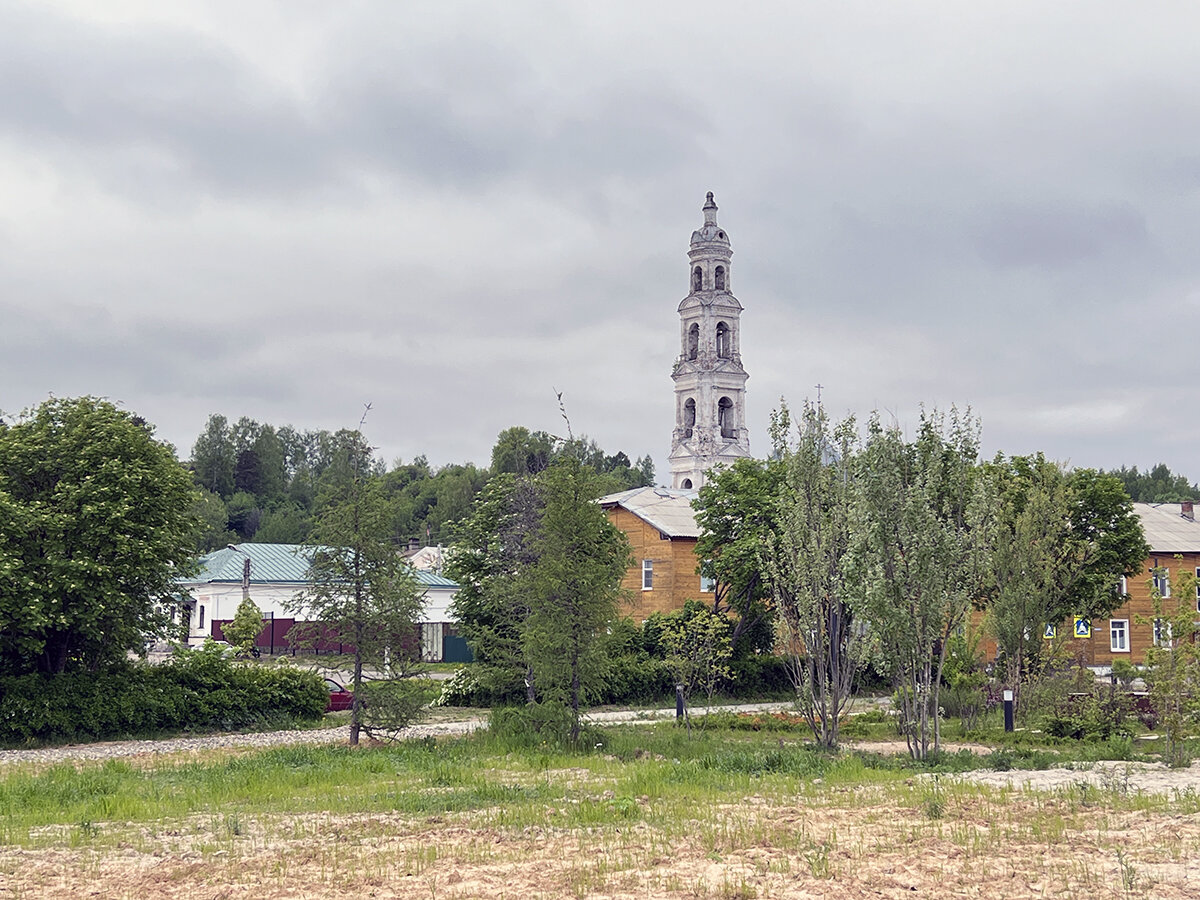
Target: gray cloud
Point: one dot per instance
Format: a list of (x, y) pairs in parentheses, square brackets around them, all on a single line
[(449, 210)]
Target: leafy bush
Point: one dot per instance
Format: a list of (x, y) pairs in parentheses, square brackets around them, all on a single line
[(535, 724), (197, 690), (1096, 715), (481, 685), (758, 676), (637, 679)]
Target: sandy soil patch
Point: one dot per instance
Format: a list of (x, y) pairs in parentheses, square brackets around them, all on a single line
[(879, 841)]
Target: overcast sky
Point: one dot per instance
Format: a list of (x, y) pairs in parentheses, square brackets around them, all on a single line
[(449, 210)]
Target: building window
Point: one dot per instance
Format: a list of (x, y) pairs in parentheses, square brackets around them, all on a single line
[(1162, 582), (697, 279), (1118, 635), (723, 340), (693, 341), (689, 416), (1123, 586), (720, 278), (201, 616), (647, 574), (1162, 633), (707, 585), (687, 484), (725, 417)]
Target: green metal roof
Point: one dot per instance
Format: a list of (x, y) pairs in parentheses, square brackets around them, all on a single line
[(277, 564)]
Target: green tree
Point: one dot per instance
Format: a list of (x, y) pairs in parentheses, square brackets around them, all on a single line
[(805, 556), (287, 523), (213, 457), (214, 530), (573, 588), (1030, 562), (518, 451), (1062, 542), (360, 591), (1108, 542), (97, 520), (494, 547), (737, 515), (697, 649), (246, 626), (919, 550)]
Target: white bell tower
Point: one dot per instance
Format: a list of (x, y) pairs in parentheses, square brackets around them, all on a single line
[(710, 383)]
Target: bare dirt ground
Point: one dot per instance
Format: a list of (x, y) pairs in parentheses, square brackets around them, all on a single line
[(991, 834)]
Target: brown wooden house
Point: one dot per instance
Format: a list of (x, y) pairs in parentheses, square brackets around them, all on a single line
[(662, 533), (1174, 538)]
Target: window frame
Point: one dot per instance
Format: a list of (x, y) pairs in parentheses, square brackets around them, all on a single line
[(647, 574), (1162, 581), (1113, 632)]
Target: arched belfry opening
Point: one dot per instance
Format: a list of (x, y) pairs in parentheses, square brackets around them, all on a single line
[(725, 418), (709, 381), (723, 349)]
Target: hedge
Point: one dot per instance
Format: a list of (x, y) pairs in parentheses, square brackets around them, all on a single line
[(197, 691)]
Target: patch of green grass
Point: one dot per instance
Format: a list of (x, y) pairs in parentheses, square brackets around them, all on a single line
[(652, 774)]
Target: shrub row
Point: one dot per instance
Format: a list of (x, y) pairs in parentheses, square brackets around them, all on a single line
[(196, 691), (631, 678)]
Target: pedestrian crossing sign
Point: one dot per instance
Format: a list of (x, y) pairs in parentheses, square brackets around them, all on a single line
[(1083, 627)]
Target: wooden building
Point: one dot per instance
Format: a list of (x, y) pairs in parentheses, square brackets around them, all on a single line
[(662, 533), (1174, 538)]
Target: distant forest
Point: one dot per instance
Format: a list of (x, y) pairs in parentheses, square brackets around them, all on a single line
[(265, 483), (1157, 485)]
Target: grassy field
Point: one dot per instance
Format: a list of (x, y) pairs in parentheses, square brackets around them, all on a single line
[(646, 812)]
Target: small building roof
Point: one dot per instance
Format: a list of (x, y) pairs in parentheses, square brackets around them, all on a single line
[(1167, 529), (277, 564), (668, 510)]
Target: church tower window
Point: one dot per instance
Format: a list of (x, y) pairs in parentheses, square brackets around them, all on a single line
[(719, 282), (697, 279), (693, 345), (689, 416), (725, 417), (723, 340)]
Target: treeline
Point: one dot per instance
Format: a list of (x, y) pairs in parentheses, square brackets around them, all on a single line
[(265, 483), (1156, 485)]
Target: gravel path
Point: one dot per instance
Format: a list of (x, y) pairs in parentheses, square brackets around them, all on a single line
[(117, 749)]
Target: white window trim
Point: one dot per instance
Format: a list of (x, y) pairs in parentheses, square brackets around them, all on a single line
[(647, 574), (1162, 582), (1113, 632), (707, 585), (1123, 586)]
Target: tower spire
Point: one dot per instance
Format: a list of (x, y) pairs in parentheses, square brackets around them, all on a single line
[(710, 383)]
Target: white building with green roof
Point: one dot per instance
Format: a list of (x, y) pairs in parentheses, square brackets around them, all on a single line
[(276, 577)]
